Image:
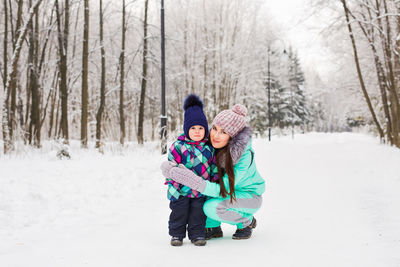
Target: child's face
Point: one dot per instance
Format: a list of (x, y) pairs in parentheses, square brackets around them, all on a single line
[(197, 132)]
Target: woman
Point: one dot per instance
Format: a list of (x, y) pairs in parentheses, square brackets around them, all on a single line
[(237, 196)]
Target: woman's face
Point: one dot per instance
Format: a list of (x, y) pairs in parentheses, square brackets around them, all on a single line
[(219, 138)]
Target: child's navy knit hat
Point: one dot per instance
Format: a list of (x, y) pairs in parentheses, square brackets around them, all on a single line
[(194, 115)]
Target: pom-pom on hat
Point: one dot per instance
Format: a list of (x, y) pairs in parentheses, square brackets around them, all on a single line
[(232, 120), (194, 115)]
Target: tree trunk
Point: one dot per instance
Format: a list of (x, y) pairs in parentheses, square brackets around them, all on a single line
[(34, 125), (63, 68), (13, 84), (8, 144), (85, 56), (394, 99), (57, 125), (28, 104), (53, 105), (122, 78), (144, 77), (5, 44), (103, 81), (153, 117), (11, 21), (394, 93), (360, 77), (381, 75)]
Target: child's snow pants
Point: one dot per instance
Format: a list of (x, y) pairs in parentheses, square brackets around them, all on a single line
[(188, 212)]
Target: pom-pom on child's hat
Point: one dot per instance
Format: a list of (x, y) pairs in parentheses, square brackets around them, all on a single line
[(232, 120), (194, 115)]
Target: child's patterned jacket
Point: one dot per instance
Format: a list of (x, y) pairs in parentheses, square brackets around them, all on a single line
[(196, 156)]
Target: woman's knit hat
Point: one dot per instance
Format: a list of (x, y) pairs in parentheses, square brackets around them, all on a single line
[(232, 120), (194, 115)]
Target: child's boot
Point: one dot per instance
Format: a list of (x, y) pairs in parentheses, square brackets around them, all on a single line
[(199, 241), (176, 241)]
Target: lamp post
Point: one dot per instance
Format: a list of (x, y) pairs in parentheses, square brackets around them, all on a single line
[(269, 93), (292, 110), (163, 114), (292, 85)]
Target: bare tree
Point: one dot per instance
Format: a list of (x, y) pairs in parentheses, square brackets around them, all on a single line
[(360, 77), (34, 125), (369, 32), (215, 50), (8, 144), (5, 44), (397, 72), (14, 82), (103, 80), (374, 21), (388, 57), (85, 58), (144, 76), (122, 76), (63, 34)]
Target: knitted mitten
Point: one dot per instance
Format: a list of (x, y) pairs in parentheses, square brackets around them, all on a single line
[(166, 167), (187, 177)]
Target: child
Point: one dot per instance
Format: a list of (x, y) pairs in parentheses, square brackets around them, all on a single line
[(192, 150)]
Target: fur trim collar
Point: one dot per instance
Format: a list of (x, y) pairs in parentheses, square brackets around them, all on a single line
[(237, 145)]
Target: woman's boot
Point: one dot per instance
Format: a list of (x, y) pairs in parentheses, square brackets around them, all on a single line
[(213, 232), (245, 233)]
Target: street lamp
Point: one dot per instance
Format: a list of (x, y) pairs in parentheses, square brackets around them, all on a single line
[(163, 114), (269, 93), (292, 110), (292, 85)]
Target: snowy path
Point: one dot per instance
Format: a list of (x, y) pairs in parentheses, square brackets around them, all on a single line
[(331, 200)]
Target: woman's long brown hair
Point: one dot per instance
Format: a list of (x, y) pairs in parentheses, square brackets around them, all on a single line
[(221, 154)]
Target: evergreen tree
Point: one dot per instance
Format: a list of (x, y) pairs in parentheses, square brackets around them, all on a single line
[(258, 114), (279, 106), (258, 111), (318, 116), (299, 114)]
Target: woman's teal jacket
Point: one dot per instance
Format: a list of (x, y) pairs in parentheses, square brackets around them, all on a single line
[(247, 178)]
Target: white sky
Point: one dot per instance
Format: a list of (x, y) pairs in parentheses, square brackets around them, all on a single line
[(301, 31)]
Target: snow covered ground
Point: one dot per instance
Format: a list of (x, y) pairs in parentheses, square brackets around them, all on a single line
[(331, 200)]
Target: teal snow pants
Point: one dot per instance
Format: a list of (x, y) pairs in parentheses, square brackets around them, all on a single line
[(239, 212)]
